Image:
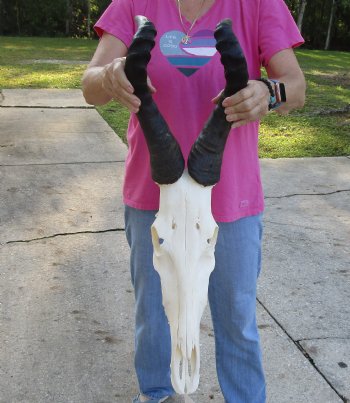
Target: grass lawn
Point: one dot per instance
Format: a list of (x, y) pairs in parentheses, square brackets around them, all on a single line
[(19, 67), (316, 130)]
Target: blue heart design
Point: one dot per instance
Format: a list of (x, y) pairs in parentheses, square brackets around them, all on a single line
[(190, 57)]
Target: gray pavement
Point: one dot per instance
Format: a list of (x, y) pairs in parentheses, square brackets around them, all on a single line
[(66, 303)]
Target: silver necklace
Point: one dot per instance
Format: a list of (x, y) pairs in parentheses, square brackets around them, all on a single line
[(187, 39)]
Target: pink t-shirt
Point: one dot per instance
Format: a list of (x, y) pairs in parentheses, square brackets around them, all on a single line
[(187, 77)]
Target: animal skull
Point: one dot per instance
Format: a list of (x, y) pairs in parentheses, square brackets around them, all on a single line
[(184, 232), (184, 236)]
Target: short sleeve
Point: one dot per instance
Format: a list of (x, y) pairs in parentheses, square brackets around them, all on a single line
[(277, 29), (118, 20)]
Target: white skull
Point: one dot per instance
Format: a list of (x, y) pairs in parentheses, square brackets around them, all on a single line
[(184, 236)]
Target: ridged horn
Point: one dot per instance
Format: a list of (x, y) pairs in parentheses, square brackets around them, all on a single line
[(205, 159), (167, 162)]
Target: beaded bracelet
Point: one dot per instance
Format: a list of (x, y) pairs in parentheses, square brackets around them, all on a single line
[(272, 101)]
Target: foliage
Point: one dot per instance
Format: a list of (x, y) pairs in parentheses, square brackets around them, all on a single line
[(49, 17), (75, 18), (316, 20)]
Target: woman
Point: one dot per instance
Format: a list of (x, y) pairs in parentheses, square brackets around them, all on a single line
[(186, 77)]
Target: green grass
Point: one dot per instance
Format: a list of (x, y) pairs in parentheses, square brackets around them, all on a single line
[(303, 133), (311, 132), (117, 116), (304, 136), (18, 68)]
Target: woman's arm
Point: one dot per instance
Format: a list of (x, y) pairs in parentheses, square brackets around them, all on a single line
[(251, 103), (104, 79), (284, 67)]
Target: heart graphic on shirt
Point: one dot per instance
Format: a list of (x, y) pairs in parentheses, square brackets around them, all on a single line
[(190, 57)]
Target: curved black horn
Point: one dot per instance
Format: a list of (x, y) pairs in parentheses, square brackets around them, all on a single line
[(167, 162), (205, 159)]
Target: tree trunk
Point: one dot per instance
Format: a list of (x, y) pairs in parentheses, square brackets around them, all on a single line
[(330, 25), (1, 11), (68, 16), (88, 18), (301, 14), (18, 19)]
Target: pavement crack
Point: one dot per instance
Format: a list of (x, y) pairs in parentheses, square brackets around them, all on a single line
[(312, 362), (64, 234), (288, 224), (308, 194), (302, 350), (323, 338)]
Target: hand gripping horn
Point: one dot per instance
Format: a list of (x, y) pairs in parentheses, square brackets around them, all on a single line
[(167, 162), (205, 159), (184, 233)]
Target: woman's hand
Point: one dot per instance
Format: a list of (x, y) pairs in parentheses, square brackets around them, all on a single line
[(118, 87), (247, 105)]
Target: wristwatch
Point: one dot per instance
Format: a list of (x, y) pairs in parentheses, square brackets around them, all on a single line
[(277, 92)]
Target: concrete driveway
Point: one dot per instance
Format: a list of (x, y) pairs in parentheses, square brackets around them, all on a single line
[(66, 302)]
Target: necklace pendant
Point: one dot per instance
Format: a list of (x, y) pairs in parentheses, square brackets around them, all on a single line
[(186, 39)]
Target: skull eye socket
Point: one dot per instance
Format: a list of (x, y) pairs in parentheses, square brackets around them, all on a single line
[(156, 239)]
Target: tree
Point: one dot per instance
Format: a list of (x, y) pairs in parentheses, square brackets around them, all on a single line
[(18, 23), (68, 16), (301, 14), (330, 25), (88, 18), (324, 23)]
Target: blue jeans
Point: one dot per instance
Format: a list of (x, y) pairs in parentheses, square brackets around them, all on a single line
[(232, 299)]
